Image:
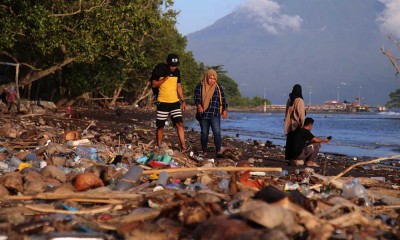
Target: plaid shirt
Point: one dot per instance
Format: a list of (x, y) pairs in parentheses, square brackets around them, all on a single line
[(213, 108)]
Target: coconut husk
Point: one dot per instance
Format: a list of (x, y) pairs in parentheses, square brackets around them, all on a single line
[(58, 161), (4, 191), (54, 172), (72, 135), (32, 176), (12, 181), (34, 187), (268, 215), (56, 148), (85, 181)]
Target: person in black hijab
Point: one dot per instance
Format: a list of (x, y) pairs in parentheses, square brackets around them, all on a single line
[(294, 118)]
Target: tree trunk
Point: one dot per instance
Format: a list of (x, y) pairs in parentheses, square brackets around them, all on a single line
[(69, 102), (53, 92), (29, 91), (116, 95), (146, 93), (40, 74), (37, 92)]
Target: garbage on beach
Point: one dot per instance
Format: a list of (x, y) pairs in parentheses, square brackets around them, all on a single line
[(110, 185)]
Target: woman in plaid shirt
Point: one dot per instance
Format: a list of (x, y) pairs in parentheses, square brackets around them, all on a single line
[(211, 104)]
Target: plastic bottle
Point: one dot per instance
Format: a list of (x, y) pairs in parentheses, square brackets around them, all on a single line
[(15, 162), (361, 192), (348, 190), (354, 189), (224, 185), (284, 173), (129, 179), (86, 152), (162, 179), (196, 186), (3, 166), (32, 158)]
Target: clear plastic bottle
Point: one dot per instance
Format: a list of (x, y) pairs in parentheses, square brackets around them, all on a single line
[(15, 162), (361, 192), (129, 179), (224, 185), (86, 152), (348, 190), (354, 189)]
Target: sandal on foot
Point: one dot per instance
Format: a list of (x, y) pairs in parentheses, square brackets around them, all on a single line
[(298, 162), (312, 164)]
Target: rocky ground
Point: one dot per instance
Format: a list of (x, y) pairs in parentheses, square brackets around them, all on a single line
[(53, 191)]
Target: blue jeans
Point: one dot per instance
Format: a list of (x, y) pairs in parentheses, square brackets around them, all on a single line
[(215, 123)]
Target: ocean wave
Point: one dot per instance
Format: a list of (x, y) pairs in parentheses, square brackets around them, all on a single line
[(390, 113)]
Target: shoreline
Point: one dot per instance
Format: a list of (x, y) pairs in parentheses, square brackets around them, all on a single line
[(256, 152)]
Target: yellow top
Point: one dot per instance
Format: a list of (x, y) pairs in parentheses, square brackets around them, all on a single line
[(168, 91)]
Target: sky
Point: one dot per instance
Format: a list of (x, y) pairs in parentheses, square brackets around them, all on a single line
[(198, 14)]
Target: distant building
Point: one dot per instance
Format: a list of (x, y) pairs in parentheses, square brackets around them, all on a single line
[(334, 105)]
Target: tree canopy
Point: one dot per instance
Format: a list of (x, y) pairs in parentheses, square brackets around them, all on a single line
[(394, 101), (98, 47)]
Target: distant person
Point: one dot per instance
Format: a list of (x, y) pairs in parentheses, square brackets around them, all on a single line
[(166, 81), (3, 96), (211, 104), (306, 145), (294, 118), (11, 99)]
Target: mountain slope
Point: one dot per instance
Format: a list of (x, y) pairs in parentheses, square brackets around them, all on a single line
[(329, 46)]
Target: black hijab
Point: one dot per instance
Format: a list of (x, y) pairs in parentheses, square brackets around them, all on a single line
[(296, 93)]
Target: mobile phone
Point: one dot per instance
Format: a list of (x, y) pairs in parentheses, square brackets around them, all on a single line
[(329, 138)]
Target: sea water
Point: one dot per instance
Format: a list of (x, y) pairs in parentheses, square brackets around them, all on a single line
[(374, 134)]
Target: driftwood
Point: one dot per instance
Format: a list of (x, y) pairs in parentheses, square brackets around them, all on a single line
[(83, 195), (205, 169), (328, 180), (48, 209), (364, 163), (374, 194)]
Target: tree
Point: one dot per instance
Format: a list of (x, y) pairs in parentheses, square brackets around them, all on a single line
[(394, 96), (47, 35), (394, 101)]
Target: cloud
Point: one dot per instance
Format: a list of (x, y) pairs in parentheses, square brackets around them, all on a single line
[(389, 19), (268, 13)]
